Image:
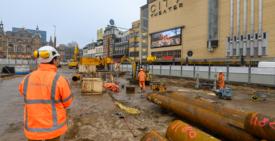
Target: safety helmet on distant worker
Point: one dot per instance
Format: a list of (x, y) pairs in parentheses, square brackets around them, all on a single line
[(219, 71), (46, 54), (141, 69)]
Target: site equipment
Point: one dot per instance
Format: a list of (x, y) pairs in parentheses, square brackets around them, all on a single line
[(180, 131), (256, 124), (74, 61), (158, 86), (210, 120), (134, 66), (221, 90), (261, 126)]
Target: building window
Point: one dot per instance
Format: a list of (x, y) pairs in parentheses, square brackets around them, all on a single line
[(264, 51), (247, 51), (256, 35), (264, 35), (228, 53), (256, 51), (234, 52), (241, 52)]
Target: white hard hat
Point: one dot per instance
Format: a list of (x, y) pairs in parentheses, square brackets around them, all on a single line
[(220, 71), (50, 52)]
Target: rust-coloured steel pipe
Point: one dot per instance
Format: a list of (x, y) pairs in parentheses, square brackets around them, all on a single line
[(180, 131), (261, 126), (153, 136), (235, 115), (213, 121)]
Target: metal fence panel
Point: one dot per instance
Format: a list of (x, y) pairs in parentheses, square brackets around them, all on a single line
[(265, 76)]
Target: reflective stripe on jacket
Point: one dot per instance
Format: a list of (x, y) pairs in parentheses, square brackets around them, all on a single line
[(46, 95)]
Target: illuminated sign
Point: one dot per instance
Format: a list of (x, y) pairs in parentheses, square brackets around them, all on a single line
[(166, 38), (163, 7)]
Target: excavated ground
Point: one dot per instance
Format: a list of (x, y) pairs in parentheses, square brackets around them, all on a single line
[(96, 118)]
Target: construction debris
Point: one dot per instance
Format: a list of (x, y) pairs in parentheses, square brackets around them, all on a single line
[(258, 96), (208, 119), (158, 86), (112, 86), (128, 110), (236, 115), (130, 89), (92, 86)]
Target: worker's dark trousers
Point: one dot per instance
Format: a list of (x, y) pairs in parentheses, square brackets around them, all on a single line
[(55, 139)]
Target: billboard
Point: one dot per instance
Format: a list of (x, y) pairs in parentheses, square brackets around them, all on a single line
[(171, 37)]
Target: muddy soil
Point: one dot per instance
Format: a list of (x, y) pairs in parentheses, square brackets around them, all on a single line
[(96, 118)]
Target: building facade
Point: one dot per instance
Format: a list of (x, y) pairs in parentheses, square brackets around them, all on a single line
[(111, 33), (89, 50), (211, 30), (121, 47), (18, 44), (144, 15), (134, 41), (43, 34), (99, 49)]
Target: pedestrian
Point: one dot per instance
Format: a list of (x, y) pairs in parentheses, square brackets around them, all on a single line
[(47, 95), (141, 79)]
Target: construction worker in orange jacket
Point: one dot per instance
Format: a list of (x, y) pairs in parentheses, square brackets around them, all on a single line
[(221, 83), (47, 95), (142, 79)]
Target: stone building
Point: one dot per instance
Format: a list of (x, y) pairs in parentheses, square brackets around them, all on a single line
[(18, 44)]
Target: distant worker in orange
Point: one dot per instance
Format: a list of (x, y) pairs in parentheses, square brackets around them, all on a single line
[(142, 79), (47, 95), (221, 81)]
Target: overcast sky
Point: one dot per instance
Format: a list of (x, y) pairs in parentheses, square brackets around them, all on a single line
[(75, 20)]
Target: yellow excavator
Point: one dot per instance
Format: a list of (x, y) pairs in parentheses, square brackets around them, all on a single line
[(150, 59), (74, 62), (133, 63), (100, 63)]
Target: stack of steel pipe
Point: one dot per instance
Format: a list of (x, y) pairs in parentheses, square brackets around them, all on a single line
[(211, 120), (179, 131), (153, 136), (259, 125)]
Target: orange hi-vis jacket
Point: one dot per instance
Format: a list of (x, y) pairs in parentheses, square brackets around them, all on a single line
[(46, 95), (221, 83), (142, 76)]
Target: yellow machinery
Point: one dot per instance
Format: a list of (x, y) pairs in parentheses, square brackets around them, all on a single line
[(74, 62), (99, 62), (158, 86), (87, 62), (150, 59), (134, 66)]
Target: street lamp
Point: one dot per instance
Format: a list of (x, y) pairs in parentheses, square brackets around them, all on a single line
[(54, 26)]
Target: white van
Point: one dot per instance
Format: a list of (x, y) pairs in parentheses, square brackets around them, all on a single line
[(265, 64)]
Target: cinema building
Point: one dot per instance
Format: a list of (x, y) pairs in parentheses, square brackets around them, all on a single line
[(212, 31)]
